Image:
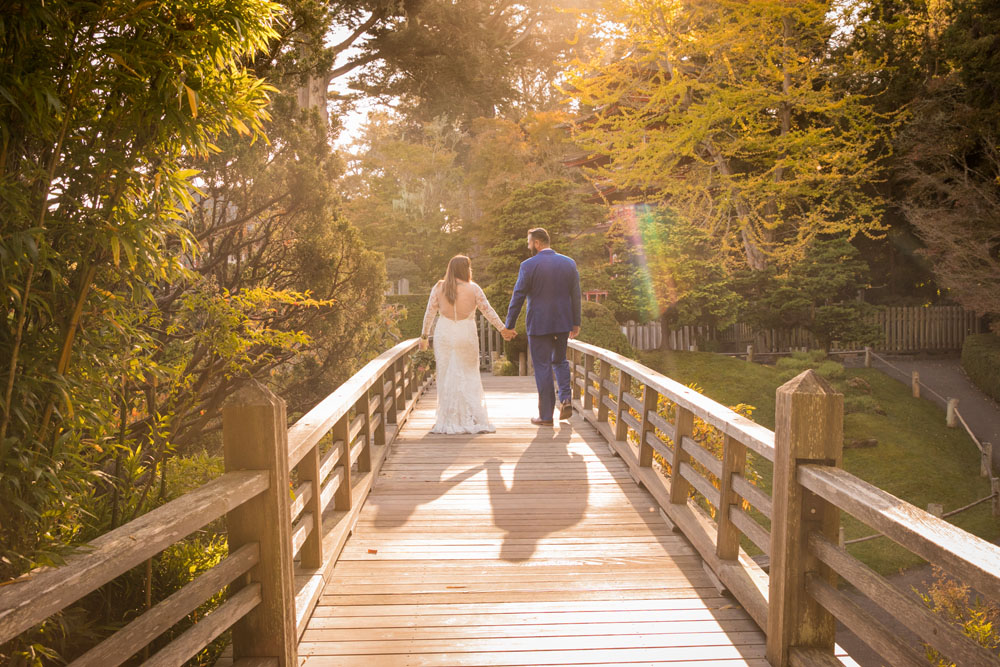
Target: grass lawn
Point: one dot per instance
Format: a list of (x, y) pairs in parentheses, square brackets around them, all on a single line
[(917, 457)]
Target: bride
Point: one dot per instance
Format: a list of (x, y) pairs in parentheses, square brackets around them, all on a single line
[(461, 402)]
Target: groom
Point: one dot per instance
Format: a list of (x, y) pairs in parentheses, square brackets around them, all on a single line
[(551, 284)]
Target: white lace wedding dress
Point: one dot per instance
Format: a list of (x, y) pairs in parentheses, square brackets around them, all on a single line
[(461, 400)]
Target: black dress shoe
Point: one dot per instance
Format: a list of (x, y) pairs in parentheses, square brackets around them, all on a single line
[(566, 410), (538, 421)]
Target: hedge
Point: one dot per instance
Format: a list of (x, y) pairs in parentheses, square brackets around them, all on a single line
[(414, 306), (981, 361)]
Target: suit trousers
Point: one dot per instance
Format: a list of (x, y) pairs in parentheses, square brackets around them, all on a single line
[(548, 355)]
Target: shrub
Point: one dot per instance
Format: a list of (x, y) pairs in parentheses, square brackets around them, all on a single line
[(409, 310), (865, 403), (600, 328), (981, 361), (976, 618), (504, 366)]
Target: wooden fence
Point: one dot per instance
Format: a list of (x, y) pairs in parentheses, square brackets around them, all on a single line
[(282, 546), (905, 329), (650, 421)]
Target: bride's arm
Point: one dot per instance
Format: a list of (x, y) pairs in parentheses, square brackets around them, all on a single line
[(432, 310), (483, 304)]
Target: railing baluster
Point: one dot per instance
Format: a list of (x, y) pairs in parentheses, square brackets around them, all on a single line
[(734, 462), (255, 437), (680, 488), (602, 407), (624, 387), (650, 398), (588, 397), (342, 499), (575, 356), (399, 394), (312, 550), (365, 456)]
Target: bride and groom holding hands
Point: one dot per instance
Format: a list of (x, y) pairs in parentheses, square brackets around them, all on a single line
[(550, 284)]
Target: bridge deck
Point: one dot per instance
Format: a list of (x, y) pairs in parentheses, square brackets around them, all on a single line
[(524, 547)]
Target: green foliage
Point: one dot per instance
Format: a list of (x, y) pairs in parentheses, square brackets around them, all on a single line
[(734, 113), (505, 366), (818, 293), (981, 362), (600, 328), (630, 288), (690, 284), (977, 618), (555, 205), (408, 313)]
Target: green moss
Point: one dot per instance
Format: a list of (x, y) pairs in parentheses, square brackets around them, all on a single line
[(917, 457)]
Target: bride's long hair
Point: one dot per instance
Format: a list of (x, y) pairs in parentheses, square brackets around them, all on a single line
[(459, 268)]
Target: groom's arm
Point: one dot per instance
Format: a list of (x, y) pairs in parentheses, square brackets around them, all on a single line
[(517, 298)]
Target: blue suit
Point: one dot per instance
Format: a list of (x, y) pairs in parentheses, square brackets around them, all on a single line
[(550, 283)]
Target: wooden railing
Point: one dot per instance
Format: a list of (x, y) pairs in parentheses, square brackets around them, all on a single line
[(282, 546), (797, 601)]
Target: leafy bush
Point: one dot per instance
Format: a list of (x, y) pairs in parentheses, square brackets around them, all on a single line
[(601, 329), (981, 361), (862, 404), (409, 313), (504, 366), (814, 359), (977, 619)]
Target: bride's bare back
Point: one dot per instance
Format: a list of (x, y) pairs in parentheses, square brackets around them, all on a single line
[(465, 301)]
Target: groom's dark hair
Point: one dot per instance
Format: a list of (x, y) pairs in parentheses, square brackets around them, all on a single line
[(539, 234)]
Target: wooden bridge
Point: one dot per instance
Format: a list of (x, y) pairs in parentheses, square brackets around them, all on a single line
[(608, 539)]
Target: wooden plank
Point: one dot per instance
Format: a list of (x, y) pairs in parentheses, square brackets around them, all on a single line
[(757, 498), (702, 456), (49, 590), (904, 606), (969, 558), (734, 461), (213, 624), (125, 643)]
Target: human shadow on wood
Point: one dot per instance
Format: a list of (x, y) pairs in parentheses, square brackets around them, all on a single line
[(527, 510), (426, 481)]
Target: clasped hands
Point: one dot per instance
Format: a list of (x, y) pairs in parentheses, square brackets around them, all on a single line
[(508, 334)]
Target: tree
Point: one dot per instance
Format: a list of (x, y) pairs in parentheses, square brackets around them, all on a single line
[(819, 293), (556, 205), (735, 115), (102, 102), (689, 283)]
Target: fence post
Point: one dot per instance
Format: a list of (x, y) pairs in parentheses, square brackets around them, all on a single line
[(915, 381), (809, 428), (588, 367), (522, 364), (750, 353), (650, 399), (986, 465), (363, 407), (683, 428), (255, 437), (574, 360), (868, 356), (950, 419)]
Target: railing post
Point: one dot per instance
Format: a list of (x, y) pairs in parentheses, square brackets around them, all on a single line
[(809, 428), (255, 437), (342, 497), (868, 356), (650, 397), (624, 387), (380, 437), (734, 462), (602, 407), (680, 488), (407, 380)]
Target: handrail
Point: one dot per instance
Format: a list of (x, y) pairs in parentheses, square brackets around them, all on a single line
[(281, 550), (316, 423), (47, 591), (797, 600)]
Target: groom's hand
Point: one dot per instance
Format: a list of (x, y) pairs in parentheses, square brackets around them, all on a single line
[(575, 332)]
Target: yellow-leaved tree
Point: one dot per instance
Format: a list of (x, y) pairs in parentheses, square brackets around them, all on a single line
[(735, 115)]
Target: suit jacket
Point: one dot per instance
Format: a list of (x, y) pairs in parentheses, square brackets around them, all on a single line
[(550, 283)]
